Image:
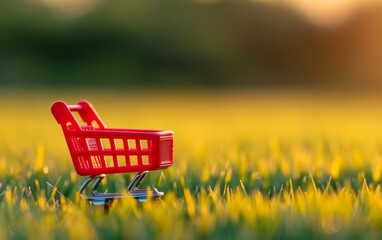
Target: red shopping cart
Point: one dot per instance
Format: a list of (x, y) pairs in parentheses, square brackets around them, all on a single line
[(97, 150)]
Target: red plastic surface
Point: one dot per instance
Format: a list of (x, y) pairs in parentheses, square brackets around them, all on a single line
[(96, 149)]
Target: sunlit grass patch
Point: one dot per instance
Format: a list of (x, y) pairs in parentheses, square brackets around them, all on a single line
[(246, 166)]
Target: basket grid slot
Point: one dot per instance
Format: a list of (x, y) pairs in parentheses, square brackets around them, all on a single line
[(133, 160), (84, 164), (92, 144), (96, 161), (121, 160), (109, 161), (76, 144), (145, 144), (132, 144), (105, 142), (119, 143), (145, 160)]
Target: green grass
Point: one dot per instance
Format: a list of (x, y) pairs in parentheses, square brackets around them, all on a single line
[(248, 165)]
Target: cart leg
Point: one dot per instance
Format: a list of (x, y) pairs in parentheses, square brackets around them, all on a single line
[(141, 194), (136, 181), (97, 198), (97, 180), (86, 183)]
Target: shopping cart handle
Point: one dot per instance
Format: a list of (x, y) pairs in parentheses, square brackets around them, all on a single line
[(76, 107), (63, 115)]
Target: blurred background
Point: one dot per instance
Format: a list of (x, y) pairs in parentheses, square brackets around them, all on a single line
[(190, 44)]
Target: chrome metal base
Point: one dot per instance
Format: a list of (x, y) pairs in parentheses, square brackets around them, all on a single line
[(96, 198)]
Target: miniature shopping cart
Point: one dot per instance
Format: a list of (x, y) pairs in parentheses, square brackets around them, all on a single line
[(97, 150)]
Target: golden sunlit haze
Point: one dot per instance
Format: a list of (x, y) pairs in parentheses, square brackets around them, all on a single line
[(329, 13)]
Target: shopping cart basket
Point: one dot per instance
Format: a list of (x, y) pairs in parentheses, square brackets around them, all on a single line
[(97, 150)]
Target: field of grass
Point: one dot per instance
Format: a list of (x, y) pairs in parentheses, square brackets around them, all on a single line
[(248, 165)]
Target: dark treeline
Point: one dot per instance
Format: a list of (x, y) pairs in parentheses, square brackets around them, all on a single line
[(184, 44)]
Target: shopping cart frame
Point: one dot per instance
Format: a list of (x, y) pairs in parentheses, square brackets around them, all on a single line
[(138, 151)]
